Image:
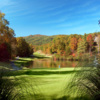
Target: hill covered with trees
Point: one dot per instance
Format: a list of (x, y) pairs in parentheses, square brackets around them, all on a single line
[(72, 46), (38, 39)]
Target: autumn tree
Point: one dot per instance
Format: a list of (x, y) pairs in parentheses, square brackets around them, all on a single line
[(23, 48), (4, 52), (6, 34), (73, 43), (54, 48), (67, 51), (6, 37), (79, 40), (90, 41), (81, 47), (84, 37), (97, 39)]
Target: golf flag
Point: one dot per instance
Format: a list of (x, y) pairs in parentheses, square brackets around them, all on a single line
[(59, 66)]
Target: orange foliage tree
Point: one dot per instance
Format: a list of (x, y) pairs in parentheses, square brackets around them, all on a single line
[(6, 38), (73, 44)]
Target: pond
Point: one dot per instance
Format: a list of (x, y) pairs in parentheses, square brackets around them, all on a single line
[(48, 63)]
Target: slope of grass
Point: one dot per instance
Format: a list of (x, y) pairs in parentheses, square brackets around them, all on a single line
[(48, 84), (24, 61), (40, 54)]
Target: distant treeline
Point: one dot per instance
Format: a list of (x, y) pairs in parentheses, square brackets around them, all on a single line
[(70, 45)]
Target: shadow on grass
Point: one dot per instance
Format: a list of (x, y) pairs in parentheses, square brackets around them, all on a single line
[(33, 72), (48, 72), (42, 97), (71, 98), (23, 63)]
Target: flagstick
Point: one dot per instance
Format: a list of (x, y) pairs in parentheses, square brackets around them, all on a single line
[(59, 69)]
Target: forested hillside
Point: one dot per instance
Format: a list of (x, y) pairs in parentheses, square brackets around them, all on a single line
[(39, 39), (73, 45)]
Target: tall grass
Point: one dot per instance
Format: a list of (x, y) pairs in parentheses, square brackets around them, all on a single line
[(16, 87), (88, 80), (7, 86)]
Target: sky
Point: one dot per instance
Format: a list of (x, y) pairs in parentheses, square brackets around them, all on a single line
[(52, 17)]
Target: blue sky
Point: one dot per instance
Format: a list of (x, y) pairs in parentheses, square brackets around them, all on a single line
[(52, 17)]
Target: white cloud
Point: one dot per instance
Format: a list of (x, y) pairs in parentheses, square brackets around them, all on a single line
[(4, 3)]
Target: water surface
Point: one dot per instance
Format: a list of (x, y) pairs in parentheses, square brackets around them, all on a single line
[(48, 63)]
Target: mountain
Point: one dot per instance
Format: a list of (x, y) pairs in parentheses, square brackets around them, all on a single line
[(38, 39)]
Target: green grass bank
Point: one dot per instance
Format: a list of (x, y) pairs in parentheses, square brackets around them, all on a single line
[(47, 84), (23, 61)]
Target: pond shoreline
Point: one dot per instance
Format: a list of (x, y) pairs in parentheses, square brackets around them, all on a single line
[(42, 61), (22, 61)]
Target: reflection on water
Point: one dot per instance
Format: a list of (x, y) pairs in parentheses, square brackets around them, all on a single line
[(48, 63)]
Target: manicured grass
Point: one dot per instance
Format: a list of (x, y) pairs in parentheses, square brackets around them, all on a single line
[(47, 84), (23, 61), (41, 55)]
